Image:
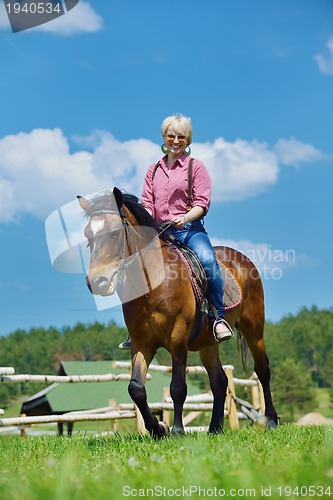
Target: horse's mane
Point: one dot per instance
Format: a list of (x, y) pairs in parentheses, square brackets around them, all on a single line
[(106, 201)]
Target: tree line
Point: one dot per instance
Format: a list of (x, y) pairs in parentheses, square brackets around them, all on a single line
[(300, 348)]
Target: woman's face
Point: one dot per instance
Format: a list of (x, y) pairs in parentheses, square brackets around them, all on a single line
[(175, 143)]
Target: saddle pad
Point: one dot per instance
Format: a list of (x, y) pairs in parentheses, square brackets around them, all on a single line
[(232, 295), (195, 270)]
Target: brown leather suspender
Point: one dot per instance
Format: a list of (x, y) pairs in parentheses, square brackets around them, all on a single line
[(189, 185)]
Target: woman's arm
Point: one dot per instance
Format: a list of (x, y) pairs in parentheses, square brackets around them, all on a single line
[(190, 216), (147, 196)]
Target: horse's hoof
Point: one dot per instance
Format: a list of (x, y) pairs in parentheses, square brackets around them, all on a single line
[(166, 429), (271, 424), (161, 431), (215, 430), (177, 431), (266, 422)]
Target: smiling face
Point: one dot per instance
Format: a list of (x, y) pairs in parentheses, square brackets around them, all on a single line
[(175, 142)]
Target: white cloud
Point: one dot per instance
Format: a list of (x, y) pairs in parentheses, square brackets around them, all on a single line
[(39, 172), (81, 19), (123, 164), (325, 59), (238, 170), (293, 152)]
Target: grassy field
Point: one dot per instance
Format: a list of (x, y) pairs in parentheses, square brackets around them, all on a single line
[(290, 462)]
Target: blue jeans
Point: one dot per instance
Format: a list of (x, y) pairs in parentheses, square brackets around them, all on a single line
[(194, 235)]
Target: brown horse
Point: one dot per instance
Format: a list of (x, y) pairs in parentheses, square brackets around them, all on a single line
[(164, 313)]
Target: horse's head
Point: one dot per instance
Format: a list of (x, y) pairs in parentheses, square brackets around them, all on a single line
[(106, 238)]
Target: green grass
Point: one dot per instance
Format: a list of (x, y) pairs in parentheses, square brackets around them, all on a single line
[(247, 460)]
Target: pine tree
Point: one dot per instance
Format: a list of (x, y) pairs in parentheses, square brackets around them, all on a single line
[(293, 390)]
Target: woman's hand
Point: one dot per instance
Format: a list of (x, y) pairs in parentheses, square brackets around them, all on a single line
[(180, 221)]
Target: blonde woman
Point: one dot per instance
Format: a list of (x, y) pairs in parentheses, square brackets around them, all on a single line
[(165, 195)]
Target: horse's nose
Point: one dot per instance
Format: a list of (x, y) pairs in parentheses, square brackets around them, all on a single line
[(98, 286), (101, 282)]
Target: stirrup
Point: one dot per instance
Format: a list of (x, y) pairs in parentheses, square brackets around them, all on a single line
[(226, 335), (125, 345)]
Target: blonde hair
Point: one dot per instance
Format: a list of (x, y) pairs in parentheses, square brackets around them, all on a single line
[(180, 124)]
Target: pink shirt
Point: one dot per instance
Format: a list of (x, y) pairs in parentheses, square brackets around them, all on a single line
[(166, 194)]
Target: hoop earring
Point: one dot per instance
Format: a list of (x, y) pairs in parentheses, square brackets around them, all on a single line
[(188, 152), (165, 151)]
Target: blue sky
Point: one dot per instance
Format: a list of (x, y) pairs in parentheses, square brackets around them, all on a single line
[(81, 103)]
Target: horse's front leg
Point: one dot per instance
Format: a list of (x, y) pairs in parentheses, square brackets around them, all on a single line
[(137, 391), (178, 387)]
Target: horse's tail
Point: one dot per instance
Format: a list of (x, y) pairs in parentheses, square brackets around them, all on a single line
[(244, 349)]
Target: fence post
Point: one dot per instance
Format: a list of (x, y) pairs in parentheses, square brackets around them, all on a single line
[(231, 398), (23, 433), (140, 424), (166, 413), (257, 393), (113, 406)]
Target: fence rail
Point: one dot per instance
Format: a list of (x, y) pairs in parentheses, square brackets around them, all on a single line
[(7, 370), (66, 417)]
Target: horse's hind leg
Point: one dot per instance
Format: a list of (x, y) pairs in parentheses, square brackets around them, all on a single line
[(253, 333), (137, 391), (264, 374), (218, 383)]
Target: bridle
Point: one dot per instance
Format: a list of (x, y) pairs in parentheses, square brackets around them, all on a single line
[(129, 241)]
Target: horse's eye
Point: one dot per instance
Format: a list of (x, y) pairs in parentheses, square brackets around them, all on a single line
[(115, 234)]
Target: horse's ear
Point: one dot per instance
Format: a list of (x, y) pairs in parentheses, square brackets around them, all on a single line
[(118, 195), (84, 204)]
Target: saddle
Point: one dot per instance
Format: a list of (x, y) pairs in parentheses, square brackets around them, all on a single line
[(232, 295)]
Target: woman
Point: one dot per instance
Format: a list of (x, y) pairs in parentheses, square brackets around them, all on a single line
[(165, 197)]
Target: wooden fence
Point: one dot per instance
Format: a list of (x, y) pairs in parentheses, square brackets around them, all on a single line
[(235, 408)]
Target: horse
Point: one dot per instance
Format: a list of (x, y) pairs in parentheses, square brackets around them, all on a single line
[(164, 313)]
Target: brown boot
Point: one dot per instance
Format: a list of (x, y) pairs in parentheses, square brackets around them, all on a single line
[(222, 330)]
